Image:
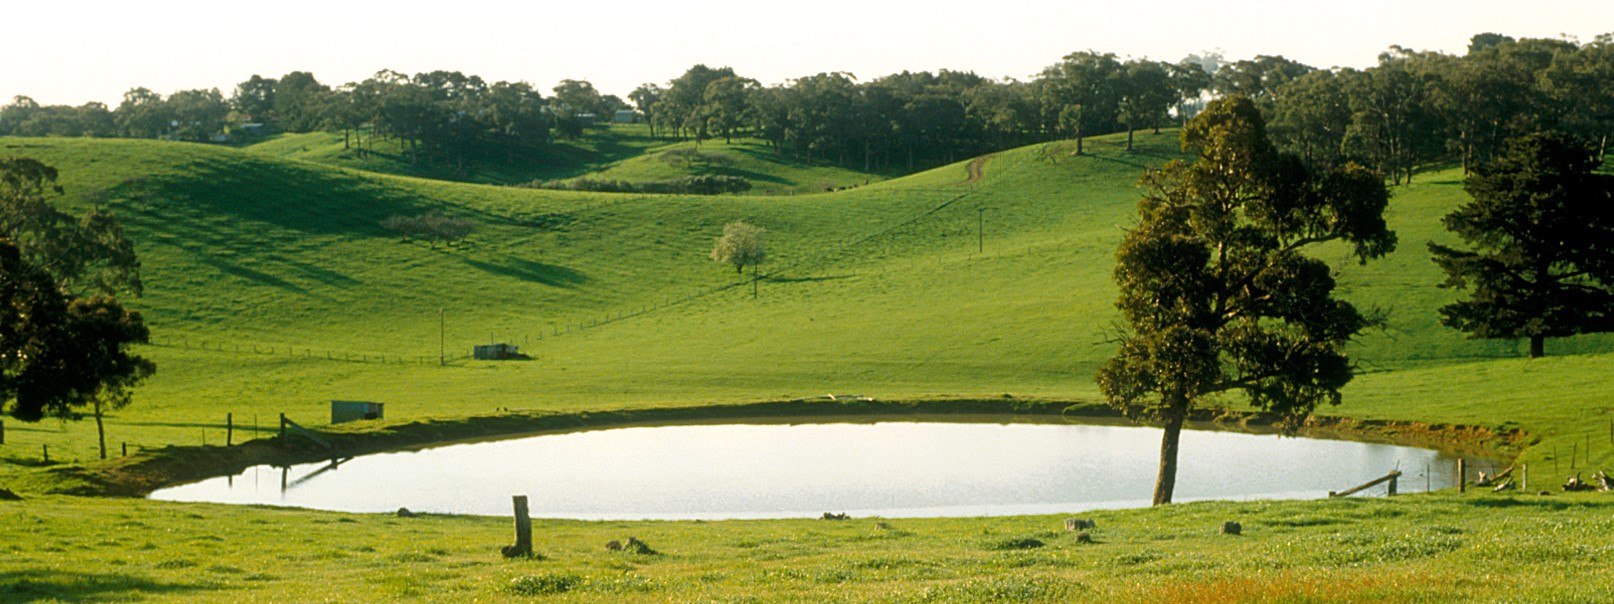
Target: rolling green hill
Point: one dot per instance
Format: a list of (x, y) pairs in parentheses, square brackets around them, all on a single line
[(768, 172), (272, 288), (601, 147), (608, 152)]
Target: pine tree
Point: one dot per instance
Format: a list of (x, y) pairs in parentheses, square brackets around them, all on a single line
[(1541, 229)]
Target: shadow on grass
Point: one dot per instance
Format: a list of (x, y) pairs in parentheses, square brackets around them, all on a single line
[(805, 279), (287, 195), (1513, 501), (69, 586), (258, 277), (536, 272)]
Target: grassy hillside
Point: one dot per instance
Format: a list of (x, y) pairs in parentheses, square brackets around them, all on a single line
[(272, 287), (768, 172), (600, 147)]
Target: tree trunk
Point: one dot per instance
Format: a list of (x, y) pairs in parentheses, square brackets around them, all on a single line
[(1166, 481), (100, 429), (1541, 292), (1129, 136)]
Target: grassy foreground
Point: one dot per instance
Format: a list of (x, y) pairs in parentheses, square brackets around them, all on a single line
[(1420, 548)]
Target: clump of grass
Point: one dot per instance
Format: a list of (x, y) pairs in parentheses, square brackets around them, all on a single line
[(1015, 543), (1001, 589), (545, 584), (623, 584)]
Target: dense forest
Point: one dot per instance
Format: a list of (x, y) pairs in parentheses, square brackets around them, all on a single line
[(1411, 108)]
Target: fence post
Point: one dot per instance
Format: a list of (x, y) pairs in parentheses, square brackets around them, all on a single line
[(229, 429), (1524, 477), (1391, 492), (1462, 475), (46, 449), (2, 433), (125, 449), (523, 546)]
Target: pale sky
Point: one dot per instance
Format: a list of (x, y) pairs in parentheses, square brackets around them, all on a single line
[(74, 51)]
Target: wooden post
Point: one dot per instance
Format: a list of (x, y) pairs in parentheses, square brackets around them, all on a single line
[(46, 449), (523, 546), (2, 433), (1393, 478), (1386, 478), (229, 429), (1524, 477), (1462, 475), (125, 449)]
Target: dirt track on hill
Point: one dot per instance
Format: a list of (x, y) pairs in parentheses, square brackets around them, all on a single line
[(976, 169)]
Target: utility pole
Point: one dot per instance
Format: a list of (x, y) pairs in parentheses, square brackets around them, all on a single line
[(442, 337)]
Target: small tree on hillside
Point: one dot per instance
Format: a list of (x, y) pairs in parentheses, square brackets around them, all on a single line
[(1216, 292), (741, 245), (431, 227), (1541, 224)]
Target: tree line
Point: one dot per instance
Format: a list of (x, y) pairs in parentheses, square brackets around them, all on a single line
[(1411, 109)]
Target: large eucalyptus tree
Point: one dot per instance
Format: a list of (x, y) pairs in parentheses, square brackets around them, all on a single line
[(1218, 296)]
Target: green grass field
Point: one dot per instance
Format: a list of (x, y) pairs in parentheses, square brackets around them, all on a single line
[(272, 288)]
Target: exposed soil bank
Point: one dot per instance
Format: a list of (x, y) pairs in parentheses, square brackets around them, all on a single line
[(140, 474)]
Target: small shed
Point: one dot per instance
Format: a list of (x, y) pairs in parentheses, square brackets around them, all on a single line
[(626, 116), (497, 352), (352, 411)]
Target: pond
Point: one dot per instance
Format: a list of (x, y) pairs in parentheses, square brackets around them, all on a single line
[(899, 468)]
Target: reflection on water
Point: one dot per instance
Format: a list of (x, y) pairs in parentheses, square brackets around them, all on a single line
[(892, 469)]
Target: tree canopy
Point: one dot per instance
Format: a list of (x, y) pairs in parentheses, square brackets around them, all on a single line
[(1412, 108), (1218, 297), (1541, 229), (740, 245), (60, 353), (85, 253)]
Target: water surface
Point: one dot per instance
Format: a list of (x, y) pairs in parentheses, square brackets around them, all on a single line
[(885, 468)]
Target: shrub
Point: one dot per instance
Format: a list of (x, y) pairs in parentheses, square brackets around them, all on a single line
[(704, 184)]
